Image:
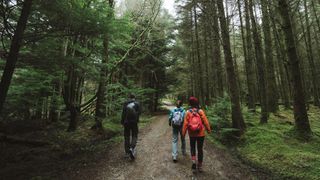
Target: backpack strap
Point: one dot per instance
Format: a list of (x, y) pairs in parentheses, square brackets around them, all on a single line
[(198, 112), (191, 110)]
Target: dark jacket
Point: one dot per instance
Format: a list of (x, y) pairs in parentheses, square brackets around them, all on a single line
[(124, 109)]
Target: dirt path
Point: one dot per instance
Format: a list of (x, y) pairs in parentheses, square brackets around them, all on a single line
[(154, 160)]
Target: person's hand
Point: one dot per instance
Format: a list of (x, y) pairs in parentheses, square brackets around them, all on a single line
[(209, 132), (183, 135)]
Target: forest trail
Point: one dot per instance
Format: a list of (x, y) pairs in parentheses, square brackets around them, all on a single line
[(154, 160)]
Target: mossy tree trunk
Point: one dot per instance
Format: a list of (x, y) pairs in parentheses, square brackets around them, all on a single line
[(302, 124), (237, 118)]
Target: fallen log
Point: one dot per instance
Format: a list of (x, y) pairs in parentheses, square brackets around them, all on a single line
[(17, 140)]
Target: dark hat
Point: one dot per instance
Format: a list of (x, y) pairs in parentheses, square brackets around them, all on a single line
[(193, 101)]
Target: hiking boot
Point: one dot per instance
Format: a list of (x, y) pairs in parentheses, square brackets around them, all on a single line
[(200, 167), (131, 153), (174, 159), (194, 167)]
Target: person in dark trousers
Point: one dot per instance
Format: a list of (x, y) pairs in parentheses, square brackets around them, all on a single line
[(176, 118), (130, 119), (196, 123)]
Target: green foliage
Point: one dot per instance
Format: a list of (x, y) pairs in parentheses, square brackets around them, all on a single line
[(272, 147), (86, 141), (219, 116), (28, 85), (118, 94), (86, 17), (65, 42)]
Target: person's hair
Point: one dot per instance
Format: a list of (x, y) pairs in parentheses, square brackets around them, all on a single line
[(132, 96), (179, 103), (193, 102)]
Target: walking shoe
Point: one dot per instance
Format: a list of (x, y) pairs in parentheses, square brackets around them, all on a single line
[(194, 167), (199, 167), (131, 152), (174, 159)]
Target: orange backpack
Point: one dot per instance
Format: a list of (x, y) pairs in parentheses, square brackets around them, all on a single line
[(195, 123)]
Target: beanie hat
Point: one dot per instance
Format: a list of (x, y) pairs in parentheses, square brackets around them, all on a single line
[(193, 101)]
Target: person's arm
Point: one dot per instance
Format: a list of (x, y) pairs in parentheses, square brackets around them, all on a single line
[(183, 113), (205, 121), (139, 110), (185, 125), (170, 117), (123, 116)]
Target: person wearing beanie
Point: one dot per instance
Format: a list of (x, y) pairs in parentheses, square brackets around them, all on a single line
[(196, 122)]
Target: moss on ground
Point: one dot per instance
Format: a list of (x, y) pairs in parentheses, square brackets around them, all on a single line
[(85, 139), (273, 146)]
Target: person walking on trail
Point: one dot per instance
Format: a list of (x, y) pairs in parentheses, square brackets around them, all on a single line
[(176, 118), (196, 122), (130, 119)]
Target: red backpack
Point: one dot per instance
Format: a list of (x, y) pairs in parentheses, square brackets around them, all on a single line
[(195, 122)]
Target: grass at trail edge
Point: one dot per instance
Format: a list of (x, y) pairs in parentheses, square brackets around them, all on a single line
[(274, 148)]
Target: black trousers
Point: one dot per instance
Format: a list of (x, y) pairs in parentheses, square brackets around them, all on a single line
[(199, 141), (130, 136)]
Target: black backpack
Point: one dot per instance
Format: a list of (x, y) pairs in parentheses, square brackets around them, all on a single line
[(131, 112)]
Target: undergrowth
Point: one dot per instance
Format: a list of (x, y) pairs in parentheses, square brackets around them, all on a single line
[(86, 140), (274, 147)]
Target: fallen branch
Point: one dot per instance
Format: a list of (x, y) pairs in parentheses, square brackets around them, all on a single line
[(17, 140), (134, 45)]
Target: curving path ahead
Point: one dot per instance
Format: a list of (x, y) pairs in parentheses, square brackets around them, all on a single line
[(154, 160)]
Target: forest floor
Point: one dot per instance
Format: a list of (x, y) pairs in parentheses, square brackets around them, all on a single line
[(274, 147), (86, 155), (154, 160), (267, 151)]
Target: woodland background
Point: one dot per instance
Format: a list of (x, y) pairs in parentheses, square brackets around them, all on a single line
[(67, 67)]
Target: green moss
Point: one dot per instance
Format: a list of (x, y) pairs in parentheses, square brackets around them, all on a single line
[(273, 147), (85, 140)]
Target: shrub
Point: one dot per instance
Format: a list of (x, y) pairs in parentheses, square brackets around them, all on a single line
[(219, 116)]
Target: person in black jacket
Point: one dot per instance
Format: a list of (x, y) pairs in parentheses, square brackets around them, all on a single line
[(130, 119)]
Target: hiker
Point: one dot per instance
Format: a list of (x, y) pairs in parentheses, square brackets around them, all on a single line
[(196, 123), (176, 118), (130, 119)]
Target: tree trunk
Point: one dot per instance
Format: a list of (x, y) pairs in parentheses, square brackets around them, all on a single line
[(281, 60), (250, 72), (53, 113), (206, 63), (310, 53), (272, 93), (250, 81), (300, 112), (74, 118), (71, 90), (314, 8), (237, 118), (101, 111), (192, 58), (260, 66), (283, 78), (217, 52), (198, 65), (14, 52)]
